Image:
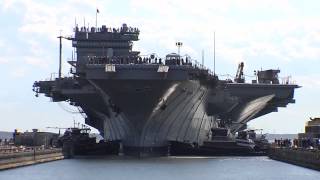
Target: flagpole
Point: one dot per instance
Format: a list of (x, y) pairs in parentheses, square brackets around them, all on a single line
[(96, 19), (214, 52)]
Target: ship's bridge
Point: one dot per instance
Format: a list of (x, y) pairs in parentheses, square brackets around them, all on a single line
[(124, 32), (103, 41)]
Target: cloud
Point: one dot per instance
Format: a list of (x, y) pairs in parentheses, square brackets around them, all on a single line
[(170, 21), (41, 18), (2, 43), (7, 4), (310, 81), (3, 60), (39, 62), (275, 37), (19, 72), (288, 37)]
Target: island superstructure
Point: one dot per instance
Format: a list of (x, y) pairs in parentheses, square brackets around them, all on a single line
[(145, 102)]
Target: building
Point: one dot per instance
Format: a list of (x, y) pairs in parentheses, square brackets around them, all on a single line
[(35, 138)]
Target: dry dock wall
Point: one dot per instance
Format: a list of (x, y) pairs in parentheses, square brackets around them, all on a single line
[(300, 157), (13, 160)]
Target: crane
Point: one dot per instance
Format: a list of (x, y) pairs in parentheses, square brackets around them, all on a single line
[(83, 128), (240, 76), (57, 128)]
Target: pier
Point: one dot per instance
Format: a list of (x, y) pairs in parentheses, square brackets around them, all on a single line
[(301, 157), (12, 159)]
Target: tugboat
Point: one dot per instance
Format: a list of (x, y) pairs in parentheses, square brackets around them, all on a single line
[(77, 141), (261, 143), (222, 143)]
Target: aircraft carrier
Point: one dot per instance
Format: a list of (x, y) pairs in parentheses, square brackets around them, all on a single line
[(145, 102)]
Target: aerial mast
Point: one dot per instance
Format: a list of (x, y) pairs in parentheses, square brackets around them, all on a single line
[(97, 18), (202, 58), (60, 55), (214, 53)]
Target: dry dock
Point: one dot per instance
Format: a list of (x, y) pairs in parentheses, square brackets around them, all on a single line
[(301, 157), (19, 159)]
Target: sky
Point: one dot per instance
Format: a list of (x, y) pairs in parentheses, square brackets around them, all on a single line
[(263, 34)]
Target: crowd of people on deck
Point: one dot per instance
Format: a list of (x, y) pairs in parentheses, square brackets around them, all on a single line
[(306, 143), (283, 142), (137, 60), (124, 60), (123, 29)]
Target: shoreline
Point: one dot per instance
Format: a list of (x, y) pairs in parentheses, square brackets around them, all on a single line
[(15, 160)]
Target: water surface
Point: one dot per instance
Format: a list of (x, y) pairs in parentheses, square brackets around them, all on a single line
[(123, 168)]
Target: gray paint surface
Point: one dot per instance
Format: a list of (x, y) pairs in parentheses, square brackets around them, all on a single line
[(142, 107)]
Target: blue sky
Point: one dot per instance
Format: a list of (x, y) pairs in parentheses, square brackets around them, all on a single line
[(264, 34)]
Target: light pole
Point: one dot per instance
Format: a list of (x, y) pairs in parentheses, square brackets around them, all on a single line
[(179, 45), (60, 52)]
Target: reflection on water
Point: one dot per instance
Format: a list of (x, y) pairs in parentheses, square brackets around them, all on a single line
[(118, 168)]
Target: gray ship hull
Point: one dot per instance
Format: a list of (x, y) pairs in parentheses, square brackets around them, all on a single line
[(147, 102), (146, 112), (166, 111)]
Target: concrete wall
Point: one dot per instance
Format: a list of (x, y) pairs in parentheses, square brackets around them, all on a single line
[(300, 157), (13, 160)]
